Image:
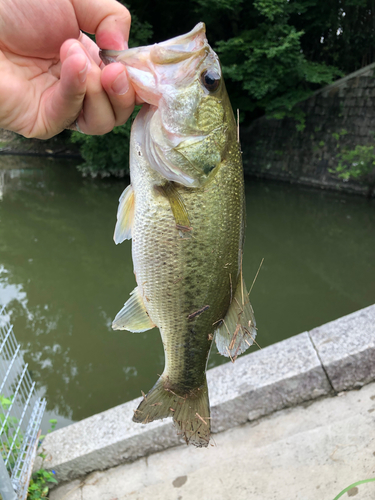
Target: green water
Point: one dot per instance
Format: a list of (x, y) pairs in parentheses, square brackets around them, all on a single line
[(63, 279)]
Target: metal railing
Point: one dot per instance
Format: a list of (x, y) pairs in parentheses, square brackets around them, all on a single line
[(21, 413)]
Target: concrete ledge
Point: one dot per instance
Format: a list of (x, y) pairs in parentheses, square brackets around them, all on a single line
[(340, 354), (281, 375), (104, 440), (346, 348)]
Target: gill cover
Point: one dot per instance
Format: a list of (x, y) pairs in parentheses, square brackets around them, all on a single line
[(184, 135)]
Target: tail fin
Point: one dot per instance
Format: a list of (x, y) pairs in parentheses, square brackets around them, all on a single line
[(191, 412)]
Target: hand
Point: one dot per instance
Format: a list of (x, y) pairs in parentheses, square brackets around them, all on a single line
[(50, 72)]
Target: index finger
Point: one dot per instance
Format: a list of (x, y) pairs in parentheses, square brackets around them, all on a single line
[(108, 19)]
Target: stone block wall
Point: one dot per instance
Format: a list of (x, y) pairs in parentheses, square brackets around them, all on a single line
[(338, 117)]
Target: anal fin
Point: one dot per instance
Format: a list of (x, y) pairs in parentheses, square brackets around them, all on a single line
[(133, 316), (237, 331), (125, 216)]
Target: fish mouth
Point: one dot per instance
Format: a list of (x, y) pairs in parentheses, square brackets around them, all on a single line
[(169, 52), (171, 63)]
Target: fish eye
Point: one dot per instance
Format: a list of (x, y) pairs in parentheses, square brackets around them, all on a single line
[(210, 80)]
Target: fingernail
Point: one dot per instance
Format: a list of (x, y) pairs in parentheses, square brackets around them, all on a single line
[(121, 85)]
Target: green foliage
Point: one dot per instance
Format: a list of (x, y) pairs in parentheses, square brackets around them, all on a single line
[(5, 403), (271, 9), (53, 423), (105, 154), (10, 425), (357, 164), (338, 135), (42, 479), (268, 63), (40, 484)]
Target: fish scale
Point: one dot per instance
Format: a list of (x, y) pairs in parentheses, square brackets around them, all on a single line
[(200, 260)]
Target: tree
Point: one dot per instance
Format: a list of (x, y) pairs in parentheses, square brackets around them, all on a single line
[(338, 32), (269, 64), (274, 53)]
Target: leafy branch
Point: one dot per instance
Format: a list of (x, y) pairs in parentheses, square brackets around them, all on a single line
[(357, 164)]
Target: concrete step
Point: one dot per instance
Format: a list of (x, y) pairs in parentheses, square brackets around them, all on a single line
[(309, 452)]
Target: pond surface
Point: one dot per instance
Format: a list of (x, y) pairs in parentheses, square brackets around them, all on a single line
[(63, 279)]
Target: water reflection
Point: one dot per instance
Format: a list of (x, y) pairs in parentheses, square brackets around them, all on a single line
[(63, 279), (319, 250)]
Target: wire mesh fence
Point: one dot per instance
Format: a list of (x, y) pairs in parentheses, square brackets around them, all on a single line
[(21, 412)]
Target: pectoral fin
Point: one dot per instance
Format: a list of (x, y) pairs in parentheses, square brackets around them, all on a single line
[(133, 316), (237, 331), (178, 208), (125, 216)]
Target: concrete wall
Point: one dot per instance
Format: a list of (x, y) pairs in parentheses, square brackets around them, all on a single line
[(339, 116)]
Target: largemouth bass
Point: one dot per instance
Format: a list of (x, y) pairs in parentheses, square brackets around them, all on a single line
[(185, 213)]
